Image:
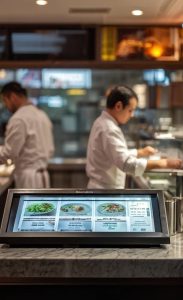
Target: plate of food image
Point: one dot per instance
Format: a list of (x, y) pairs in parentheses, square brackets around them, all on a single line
[(36, 209), (111, 209), (75, 209)]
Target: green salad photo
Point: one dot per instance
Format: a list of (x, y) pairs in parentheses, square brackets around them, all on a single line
[(40, 207)]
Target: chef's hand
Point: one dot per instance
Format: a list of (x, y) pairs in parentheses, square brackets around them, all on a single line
[(172, 163), (146, 151)]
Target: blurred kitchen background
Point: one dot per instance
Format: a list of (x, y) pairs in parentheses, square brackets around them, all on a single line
[(67, 71), (73, 98)]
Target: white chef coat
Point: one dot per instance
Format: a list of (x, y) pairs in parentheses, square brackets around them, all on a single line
[(108, 158), (29, 143)]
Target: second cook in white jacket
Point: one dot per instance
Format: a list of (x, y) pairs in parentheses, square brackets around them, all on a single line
[(28, 139), (108, 157)]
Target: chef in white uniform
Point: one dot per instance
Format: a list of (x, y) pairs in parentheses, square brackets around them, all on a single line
[(108, 157), (28, 139)]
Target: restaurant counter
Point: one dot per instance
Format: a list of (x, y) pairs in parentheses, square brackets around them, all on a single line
[(70, 173), (27, 264), (168, 177), (67, 172), (134, 271)]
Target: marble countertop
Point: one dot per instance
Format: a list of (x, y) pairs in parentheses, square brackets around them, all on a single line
[(165, 261)]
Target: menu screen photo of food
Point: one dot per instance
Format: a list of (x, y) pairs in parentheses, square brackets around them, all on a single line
[(83, 213)]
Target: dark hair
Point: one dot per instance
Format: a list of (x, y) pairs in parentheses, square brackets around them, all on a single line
[(120, 93), (13, 87)]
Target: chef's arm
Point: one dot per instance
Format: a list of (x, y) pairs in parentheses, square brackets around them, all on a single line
[(164, 164)]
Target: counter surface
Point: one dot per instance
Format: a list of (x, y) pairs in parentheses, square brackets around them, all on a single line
[(158, 262)]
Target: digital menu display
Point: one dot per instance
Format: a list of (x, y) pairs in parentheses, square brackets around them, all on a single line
[(83, 213), (67, 79), (84, 217)]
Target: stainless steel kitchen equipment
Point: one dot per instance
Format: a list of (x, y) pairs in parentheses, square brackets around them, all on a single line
[(179, 183), (170, 205), (179, 213)]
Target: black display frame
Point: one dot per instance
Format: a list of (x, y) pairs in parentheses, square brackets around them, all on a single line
[(85, 238)]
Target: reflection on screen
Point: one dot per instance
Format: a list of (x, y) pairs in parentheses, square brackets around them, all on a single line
[(85, 213)]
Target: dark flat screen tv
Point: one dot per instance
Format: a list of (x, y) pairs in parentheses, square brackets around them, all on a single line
[(53, 44), (76, 217)]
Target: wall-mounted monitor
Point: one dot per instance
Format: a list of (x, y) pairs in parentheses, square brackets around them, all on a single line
[(84, 217), (66, 78), (50, 44), (29, 78), (55, 101)]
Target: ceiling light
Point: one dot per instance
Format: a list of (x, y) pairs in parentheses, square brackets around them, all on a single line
[(137, 12), (41, 2)]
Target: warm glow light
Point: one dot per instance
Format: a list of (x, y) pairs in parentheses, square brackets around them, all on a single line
[(76, 92), (137, 12), (41, 2), (2, 74), (156, 51), (153, 50)]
